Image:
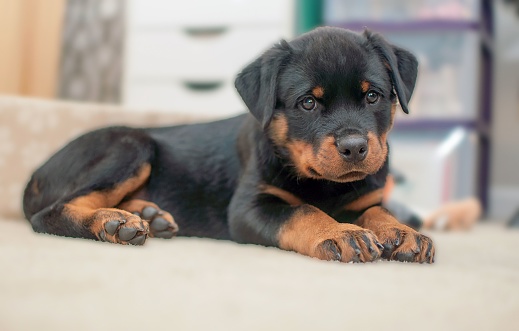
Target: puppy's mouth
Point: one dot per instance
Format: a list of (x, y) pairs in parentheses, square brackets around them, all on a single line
[(350, 176)]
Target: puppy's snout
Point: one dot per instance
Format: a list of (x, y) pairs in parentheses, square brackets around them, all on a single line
[(353, 148)]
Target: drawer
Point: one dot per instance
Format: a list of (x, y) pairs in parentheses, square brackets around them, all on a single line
[(184, 53), (449, 74), (438, 167), (148, 13), (208, 98), (341, 11)]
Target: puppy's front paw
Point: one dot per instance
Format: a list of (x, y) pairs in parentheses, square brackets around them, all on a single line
[(347, 243), (312, 232), (401, 243)]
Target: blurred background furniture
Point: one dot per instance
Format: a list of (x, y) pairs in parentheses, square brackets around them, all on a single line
[(180, 56), (186, 55), (92, 47), (30, 37)]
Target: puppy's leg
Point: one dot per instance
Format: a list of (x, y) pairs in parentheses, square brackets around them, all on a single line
[(312, 232), (76, 192), (277, 218), (92, 215), (401, 243)]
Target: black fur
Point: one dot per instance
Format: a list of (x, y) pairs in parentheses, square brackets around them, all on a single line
[(209, 176)]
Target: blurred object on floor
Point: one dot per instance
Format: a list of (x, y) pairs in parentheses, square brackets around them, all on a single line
[(404, 214), (455, 216), (451, 216), (401, 211)]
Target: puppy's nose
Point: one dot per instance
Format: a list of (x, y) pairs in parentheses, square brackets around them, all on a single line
[(353, 148)]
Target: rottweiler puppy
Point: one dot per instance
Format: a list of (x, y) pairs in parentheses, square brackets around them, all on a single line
[(303, 171)]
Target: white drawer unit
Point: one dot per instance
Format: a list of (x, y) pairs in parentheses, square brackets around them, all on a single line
[(181, 53), (201, 13), (183, 56), (207, 98)]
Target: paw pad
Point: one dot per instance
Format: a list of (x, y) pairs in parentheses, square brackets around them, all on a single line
[(161, 223), (131, 230)]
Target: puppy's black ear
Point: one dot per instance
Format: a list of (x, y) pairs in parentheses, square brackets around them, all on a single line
[(402, 65), (257, 83)]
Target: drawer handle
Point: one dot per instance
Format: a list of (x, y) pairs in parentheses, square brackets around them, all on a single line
[(203, 86), (205, 32)]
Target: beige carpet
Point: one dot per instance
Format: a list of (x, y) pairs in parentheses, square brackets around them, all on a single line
[(53, 283)]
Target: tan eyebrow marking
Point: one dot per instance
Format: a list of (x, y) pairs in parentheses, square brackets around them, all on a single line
[(318, 92), (365, 85)]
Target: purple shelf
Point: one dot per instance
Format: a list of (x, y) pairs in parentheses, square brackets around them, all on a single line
[(430, 25), (440, 124)]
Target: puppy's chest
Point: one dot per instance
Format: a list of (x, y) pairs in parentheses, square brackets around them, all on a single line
[(330, 200)]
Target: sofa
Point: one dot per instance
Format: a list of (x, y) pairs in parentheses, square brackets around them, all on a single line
[(56, 283)]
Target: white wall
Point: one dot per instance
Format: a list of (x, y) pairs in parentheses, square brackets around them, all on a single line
[(504, 194)]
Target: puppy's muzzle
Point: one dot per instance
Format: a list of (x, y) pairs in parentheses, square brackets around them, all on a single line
[(353, 148)]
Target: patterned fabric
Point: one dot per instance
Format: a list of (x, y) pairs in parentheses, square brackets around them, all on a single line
[(92, 51), (32, 130)]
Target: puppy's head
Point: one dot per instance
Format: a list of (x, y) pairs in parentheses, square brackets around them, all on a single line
[(328, 98)]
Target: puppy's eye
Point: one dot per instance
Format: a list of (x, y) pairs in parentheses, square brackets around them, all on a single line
[(308, 103), (372, 97)]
